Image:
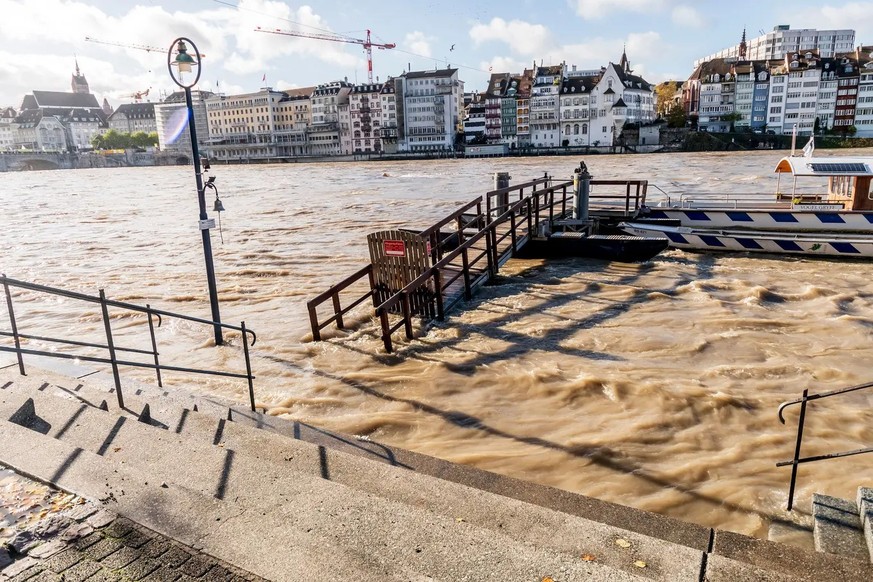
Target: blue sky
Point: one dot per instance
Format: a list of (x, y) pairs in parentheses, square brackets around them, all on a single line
[(40, 39)]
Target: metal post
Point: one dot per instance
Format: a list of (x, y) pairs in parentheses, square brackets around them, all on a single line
[(14, 326), (204, 231), (797, 450), (438, 283), (154, 345), (582, 187), (337, 310), (465, 261), (386, 329), (245, 339), (111, 347), (501, 181)]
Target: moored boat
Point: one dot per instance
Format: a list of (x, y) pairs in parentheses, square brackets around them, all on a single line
[(837, 221)]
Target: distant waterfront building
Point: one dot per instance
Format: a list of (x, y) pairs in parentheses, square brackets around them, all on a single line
[(243, 127), (389, 132), (544, 105), (474, 121), (864, 111), (293, 115), (783, 39), (323, 134), (522, 107), (171, 120), (575, 110), (619, 97), (429, 105), (7, 138), (133, 118), (59, 121), (365, 119)]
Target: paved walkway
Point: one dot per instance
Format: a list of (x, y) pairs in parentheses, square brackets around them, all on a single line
[(86, 542)]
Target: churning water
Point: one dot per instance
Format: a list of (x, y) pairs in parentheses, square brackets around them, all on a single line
[(653, 385)]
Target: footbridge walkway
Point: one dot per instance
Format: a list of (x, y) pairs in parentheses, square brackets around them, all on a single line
[(425, 274)]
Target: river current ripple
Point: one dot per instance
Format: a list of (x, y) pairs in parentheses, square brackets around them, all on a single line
[(653, 385)]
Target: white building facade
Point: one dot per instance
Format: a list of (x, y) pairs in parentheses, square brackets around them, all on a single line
[(431, 110)]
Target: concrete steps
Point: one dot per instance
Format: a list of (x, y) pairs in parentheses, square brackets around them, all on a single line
[(837, 528), (844, 527), (285, 500)]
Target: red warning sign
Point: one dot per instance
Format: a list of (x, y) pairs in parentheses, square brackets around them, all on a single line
[(394, 248)]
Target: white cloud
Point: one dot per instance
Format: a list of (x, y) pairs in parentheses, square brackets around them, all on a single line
[(419, 43), (857, 16), (504, 65), (523, 38), (593, 9), (688, 16), (51, 32)]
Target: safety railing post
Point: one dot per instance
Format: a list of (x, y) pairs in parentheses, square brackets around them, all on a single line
[(337, 310), (493, 234), (386, 329), (797, 450), (529, 212), (372, 279), (564, 201), (407, 315), (489, 253), (465, 262), (245, 339), (438, 285), (109, 343), (14, 326), (154, 346), (512, 231), (313, 323)]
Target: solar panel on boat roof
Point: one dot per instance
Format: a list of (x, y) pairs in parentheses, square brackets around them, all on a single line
[(848, 168)]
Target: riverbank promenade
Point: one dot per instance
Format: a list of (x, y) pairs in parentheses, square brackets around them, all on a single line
[(238, 495)]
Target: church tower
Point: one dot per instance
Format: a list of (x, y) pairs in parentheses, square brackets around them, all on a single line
[(79, 83), (624, 63), (742, 51)]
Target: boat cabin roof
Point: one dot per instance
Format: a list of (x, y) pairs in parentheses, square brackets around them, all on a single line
[(831, 166)]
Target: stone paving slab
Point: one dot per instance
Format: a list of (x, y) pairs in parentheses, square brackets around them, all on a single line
[(113, 548)]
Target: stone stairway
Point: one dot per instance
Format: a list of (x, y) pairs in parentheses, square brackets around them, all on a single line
[(287, 501), (844, 527)]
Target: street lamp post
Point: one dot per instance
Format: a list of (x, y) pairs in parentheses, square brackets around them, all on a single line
[(184, 62)]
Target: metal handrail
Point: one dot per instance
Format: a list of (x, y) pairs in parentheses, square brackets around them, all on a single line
[(434, 272), (110, 344), (798, 460)]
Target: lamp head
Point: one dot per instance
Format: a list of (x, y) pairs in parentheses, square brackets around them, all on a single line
[(183, 59)]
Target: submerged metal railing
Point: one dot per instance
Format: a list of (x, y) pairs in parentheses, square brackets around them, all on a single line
[(798, 460), (510, 217), (112, 349)]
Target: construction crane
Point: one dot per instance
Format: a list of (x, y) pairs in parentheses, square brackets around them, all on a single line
[(142, 47), (137, 97), (367, 44)]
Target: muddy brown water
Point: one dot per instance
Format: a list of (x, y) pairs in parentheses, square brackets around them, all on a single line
[(653, 385)]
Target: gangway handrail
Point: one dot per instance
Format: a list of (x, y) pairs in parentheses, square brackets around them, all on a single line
[(110, 346), (401, 297), (798, 460), (334, 293)]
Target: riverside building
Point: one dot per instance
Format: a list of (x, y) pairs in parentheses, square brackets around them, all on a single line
[(784, 39)]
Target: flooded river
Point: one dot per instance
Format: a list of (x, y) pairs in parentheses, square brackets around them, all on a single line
[(653, 385)]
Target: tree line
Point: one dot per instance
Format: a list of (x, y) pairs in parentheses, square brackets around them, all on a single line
[(116, 140)]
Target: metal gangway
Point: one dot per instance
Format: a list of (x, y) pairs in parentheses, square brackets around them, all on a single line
[(426, 274)]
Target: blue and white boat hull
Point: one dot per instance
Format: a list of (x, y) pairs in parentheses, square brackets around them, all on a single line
[(815, 244), (798, 219)]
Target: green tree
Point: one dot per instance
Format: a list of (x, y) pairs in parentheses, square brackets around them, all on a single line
[(732, 118), (676, 117)]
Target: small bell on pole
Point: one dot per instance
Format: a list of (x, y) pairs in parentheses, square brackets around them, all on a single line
[(218, 206)]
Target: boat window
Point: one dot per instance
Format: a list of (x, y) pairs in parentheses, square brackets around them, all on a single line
[(841, 186)]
